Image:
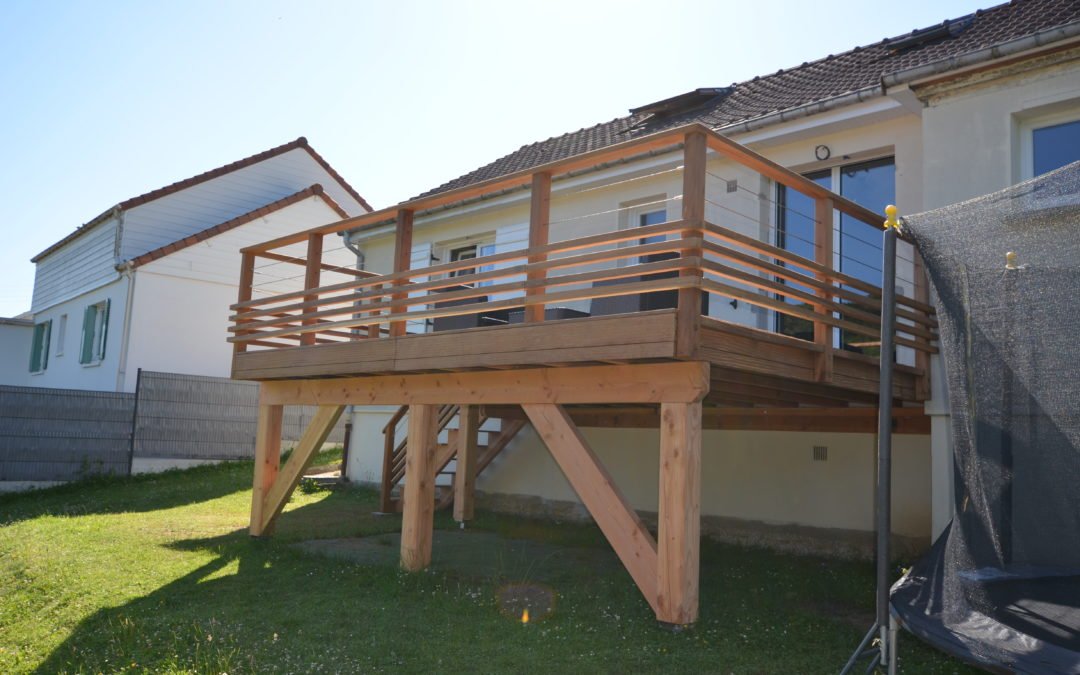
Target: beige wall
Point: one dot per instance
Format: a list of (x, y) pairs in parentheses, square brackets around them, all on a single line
[(976, 135), (762, 477)]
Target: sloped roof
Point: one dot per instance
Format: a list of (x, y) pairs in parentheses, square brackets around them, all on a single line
[(810, 82), (313, 191), (301, 143)]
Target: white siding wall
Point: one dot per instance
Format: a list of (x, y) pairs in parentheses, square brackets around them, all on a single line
[(181, 302), (184, 213), (83, 264), (15, 344)]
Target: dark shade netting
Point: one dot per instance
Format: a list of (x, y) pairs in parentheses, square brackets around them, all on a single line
[(1001, 587)]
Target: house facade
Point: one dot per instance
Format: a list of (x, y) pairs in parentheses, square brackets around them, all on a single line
[(147, 283), (923, 120)]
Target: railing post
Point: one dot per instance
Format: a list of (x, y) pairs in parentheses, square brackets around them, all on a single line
[(402, 260), (823, 255), (688, 318), (243, 294), (375, 329), (312, 272), (539, 223)]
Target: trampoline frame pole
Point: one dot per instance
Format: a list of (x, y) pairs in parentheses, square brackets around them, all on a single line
[(883, 510)]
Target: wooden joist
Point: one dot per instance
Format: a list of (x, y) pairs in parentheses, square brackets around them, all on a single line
[(908, 421), (631, 383)]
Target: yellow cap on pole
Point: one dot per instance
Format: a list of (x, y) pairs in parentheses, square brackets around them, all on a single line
[(891, 221), (1010, 261)]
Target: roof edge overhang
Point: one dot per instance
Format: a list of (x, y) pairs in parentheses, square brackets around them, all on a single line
[(300, 143)]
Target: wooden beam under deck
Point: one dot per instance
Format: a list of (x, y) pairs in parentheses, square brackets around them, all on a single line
[(758, 367), (684, 381), (909, 421)]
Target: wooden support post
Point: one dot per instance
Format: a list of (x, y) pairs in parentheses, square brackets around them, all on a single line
[(243, 294), (539, 223), (465, 475), (402, 260), (267, 461), (593, 484), (688, 321), (311, 280), (679, 531), (299, 460), (419, 508), (823, 255), (374, 330)]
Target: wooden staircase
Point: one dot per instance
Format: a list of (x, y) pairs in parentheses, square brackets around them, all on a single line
[(394, 452)]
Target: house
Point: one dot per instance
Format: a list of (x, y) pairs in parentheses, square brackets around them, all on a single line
[(147, 283), (686, 291), (16, 336)]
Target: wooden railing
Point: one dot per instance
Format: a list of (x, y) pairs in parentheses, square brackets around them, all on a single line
[(701, 257)]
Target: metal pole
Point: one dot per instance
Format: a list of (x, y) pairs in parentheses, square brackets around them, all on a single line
[(885, 398)]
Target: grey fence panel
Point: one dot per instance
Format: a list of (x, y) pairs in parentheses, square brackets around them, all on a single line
[(197, 417), (63, 434)]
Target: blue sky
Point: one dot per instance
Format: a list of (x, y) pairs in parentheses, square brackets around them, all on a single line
[(105, 100)]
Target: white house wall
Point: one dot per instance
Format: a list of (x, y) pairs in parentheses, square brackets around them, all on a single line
[(193, 209), (975, 136), (15, 341), (64, 371), (79, 266), (181, 302)]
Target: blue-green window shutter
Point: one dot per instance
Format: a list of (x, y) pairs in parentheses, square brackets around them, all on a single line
[(86, 353), (35, 348), (39, 348), (105, 327), (46, 338)]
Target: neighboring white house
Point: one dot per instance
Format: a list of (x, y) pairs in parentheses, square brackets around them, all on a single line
[(938, 116), (148, 283), (16, 336)]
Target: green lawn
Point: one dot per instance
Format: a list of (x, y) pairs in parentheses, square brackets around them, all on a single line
[(157, 574)]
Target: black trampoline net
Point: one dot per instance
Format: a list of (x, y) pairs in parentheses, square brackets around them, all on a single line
[(1001, 587)]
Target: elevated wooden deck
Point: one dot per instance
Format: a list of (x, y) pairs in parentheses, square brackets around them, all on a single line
[(349, 337), (749, 367)]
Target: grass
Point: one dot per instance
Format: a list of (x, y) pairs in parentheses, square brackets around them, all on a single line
[(157, 574)]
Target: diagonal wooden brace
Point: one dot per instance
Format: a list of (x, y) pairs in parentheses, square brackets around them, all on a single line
[(619, 522), (273, 487)]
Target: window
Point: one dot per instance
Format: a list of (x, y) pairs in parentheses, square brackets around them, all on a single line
[(94, 333), (39, 347), (61, 333), (468, 253), (856, 245), (1054, 146)]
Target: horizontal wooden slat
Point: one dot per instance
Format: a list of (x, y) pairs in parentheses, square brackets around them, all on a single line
[(606, 238), (726, 234), (400, 304), (510, 303)]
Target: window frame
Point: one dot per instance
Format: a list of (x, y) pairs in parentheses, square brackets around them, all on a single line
[(99, 335), (61, 335), (1027, 129), (836, 185)]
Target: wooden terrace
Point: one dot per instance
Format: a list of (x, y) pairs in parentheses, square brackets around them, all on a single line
[(643, 353)]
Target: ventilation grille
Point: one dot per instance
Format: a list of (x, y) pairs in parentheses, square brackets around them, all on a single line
[(821, 453)]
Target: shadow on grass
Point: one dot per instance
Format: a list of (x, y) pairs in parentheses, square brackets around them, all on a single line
[(263, 605), (116, 494)]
